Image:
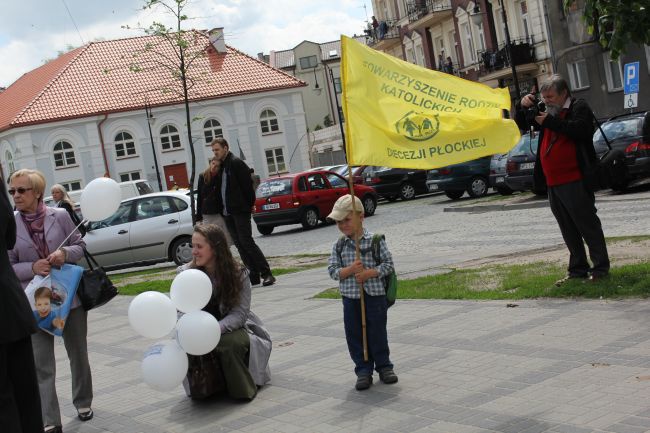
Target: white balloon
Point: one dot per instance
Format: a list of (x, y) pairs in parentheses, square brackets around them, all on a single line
[(198, 332), (100, 199), (164, 366), (191, 290), (152, 314)]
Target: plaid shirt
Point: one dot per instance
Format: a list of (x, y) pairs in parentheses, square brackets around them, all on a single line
[(349, 286)]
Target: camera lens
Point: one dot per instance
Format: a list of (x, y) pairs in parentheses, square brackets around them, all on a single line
[(541, 106)]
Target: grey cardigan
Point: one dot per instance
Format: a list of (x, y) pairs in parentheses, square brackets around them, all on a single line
[(241, 316)]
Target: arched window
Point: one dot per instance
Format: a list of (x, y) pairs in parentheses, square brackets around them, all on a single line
[(212, 130), (269, 122), (124, 145), (10, 162), (169, 138), (64, 155)]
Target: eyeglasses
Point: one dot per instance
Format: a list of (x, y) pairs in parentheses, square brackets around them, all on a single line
[(20, 191)]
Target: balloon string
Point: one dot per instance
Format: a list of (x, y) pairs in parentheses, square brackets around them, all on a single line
[(75, 229)]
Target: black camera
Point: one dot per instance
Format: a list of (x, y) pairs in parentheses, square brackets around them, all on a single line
[(533, 111)]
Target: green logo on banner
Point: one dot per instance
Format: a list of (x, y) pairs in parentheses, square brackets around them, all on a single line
[(418, 126)]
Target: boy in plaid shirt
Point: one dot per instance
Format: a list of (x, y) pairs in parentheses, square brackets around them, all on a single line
[(342, 266)]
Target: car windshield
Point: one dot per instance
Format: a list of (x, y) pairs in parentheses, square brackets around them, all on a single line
[(272, 187), (620, 128), (143, 188), (526, 146)]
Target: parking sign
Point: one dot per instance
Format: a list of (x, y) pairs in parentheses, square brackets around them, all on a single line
[(631, 78)]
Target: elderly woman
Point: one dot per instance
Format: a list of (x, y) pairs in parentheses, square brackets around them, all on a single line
[(40, 230), (63, 200), (242, 355)]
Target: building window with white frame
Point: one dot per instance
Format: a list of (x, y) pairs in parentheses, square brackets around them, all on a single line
[(468, 46), (578, 76), (169, 138), (64, 155), (337, 84), (481, 36), (524, 20), (124, 145), (269, 122), (613, 73), (73, 185), (211, 130), (132, 175), (10, 162), (275, 160)]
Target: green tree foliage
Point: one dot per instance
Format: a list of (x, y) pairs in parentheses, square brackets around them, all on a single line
[(616, 24)]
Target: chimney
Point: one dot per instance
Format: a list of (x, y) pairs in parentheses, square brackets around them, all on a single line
[(217, 39)]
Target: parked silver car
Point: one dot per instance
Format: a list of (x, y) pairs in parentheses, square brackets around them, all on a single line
[(147, 229)]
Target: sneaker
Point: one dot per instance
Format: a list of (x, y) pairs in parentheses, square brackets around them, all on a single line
[(363, 382), (388, 376), (85, 414), (269, 280), (563, 280)]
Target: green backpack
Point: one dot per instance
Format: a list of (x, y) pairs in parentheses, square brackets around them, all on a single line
[(390, 281)]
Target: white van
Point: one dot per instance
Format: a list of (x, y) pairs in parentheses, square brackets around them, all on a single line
[(128, 189)]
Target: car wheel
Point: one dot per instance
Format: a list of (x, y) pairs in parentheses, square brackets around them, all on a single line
[(369, 205), (181, 250), (454, 195), (504, 190), (406, 191), (265, 230), (478, 187), (309, 218)]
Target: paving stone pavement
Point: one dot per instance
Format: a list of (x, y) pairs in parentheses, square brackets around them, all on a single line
[(559, 366)]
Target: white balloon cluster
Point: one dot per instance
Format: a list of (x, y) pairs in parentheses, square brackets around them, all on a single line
[(153, 315)]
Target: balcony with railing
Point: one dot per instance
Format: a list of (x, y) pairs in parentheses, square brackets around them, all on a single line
[(384, 35), (495, 60), (427, 12)]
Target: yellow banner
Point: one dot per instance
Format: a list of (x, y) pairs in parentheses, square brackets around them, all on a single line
[(402, 115)]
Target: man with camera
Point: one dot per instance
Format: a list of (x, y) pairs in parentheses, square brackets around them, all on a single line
[(566, 160)]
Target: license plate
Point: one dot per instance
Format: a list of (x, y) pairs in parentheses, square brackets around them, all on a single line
[(499, 180), (271, 206), (527, 166), (433, 187)]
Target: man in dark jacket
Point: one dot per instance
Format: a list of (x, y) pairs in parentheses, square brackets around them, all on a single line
[(566, 161), (237, 196), (20, 401)]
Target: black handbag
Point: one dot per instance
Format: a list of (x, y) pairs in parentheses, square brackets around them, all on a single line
[(95, 288), (204, 376)]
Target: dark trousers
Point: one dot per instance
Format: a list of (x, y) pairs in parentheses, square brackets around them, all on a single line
[(573, 205), (376, 318), (20, 403), (241, 232)]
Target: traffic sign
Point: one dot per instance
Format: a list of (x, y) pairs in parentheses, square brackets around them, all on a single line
[(631, 101), (631, 77)]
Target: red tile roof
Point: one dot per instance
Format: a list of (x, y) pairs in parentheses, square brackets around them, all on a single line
[(96, 79)]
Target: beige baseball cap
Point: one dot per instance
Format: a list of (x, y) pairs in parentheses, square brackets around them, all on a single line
[(343, 207)]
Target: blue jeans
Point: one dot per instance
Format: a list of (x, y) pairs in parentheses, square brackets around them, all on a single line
[(378, 352)]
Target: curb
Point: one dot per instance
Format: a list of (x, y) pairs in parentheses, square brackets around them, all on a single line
[(497, 207)]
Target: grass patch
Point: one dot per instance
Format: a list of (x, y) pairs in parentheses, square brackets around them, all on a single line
[(526, 281), (633, 238), (164, 285), (119, 277)]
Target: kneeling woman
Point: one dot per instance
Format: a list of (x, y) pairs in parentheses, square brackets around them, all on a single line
[(241, 359)]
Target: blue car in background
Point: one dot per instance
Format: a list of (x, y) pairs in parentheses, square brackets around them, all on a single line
[(454, 180)]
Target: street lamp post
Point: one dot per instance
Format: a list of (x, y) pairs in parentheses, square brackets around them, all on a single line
[(149, 115), (477, 18)]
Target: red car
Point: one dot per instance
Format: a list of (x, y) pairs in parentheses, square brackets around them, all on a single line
[(304, 198)]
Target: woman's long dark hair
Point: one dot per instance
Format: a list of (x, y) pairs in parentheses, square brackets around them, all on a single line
[(227, 271)]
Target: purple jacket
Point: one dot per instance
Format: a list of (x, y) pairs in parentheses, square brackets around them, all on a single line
[(57, 226)]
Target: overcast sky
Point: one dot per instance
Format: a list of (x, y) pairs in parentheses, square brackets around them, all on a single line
[(34, 30)]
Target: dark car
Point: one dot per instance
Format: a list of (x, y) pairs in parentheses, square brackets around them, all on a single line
[(394, 183), (304, 198), (521, 164), (498, 173), (454, 180), (629, 133)]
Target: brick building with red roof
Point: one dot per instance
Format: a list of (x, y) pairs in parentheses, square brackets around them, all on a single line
[(82, 115)]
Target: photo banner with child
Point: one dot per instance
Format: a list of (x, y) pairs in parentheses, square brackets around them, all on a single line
[(405, 116), (51, 297)]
